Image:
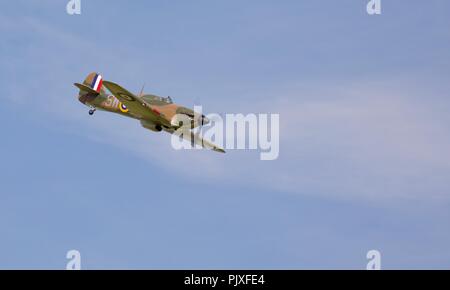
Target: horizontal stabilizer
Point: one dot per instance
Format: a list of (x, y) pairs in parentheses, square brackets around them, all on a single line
[(86, 89)]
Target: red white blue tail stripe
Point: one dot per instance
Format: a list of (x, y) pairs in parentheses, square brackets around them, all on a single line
[(97, 83)]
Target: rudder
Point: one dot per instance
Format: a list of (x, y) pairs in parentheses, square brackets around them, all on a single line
[(94, 81)]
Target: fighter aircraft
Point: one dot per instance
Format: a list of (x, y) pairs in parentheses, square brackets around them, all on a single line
[(154, 112)]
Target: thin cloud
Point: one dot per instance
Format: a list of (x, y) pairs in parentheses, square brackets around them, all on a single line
[(343, 142)]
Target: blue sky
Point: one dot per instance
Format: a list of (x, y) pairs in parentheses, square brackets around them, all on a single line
[(364, 135)]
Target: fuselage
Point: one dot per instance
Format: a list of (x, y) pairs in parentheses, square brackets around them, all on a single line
[(161, 106)]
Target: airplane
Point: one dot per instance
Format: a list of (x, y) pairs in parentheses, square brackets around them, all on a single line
[(155, 113)]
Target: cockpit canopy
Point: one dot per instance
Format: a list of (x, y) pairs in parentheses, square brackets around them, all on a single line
[(157, 99)]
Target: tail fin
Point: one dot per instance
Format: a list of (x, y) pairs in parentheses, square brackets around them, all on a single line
[(90, 88), (94, 81), (92, 84)]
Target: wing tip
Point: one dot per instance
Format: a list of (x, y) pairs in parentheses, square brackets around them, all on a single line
[(220, 150)]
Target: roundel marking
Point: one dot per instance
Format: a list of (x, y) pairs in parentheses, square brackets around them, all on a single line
[(126, 97), (123, 108)]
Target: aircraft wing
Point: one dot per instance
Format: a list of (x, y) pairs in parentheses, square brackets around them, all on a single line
[(136, 105), (194, 138)]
